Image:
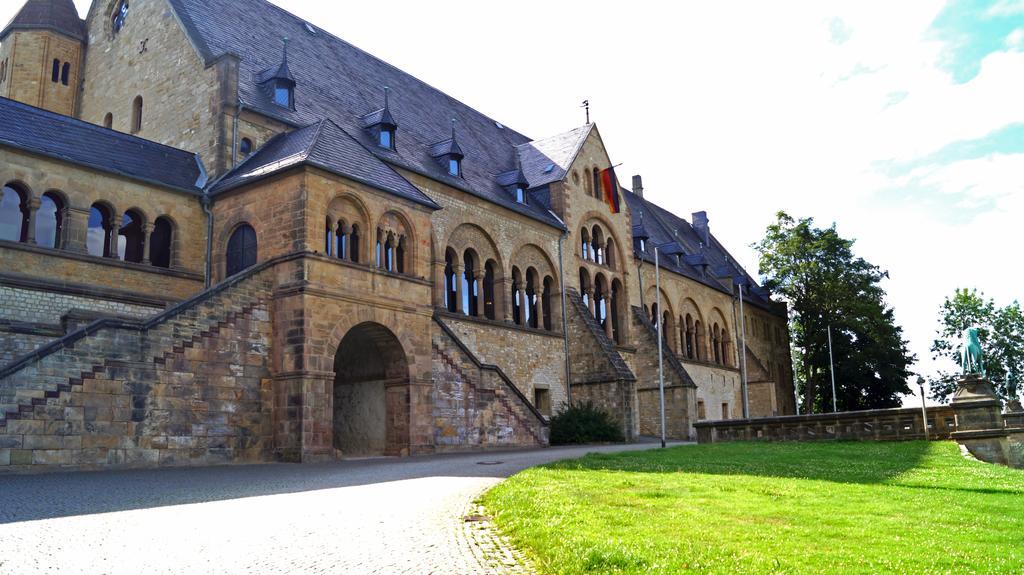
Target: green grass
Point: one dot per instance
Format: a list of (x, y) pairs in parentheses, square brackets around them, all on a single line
[(868, 507)]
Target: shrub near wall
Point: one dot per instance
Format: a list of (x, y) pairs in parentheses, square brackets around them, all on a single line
[(584, 423)]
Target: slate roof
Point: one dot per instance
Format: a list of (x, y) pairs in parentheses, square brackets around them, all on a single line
[(664, 227), (66, 139), (328, 147), (547, 160), (339, 82), (58, 15)]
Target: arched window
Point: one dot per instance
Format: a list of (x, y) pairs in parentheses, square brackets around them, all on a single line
[(597, 183), (469, 287), (716, 343), (108, 121), (97, 239), (690, 347), (587, 184), (328, 237), (518, 307), (55, 76), (597, 245), (341, 241), (378, 257), (242, 249), (14, 214), (400, 255), (354, 241), (131, 237), (545, 302), (585, 247), (585, 286), (65, 73), (600, 300), (489, 290), (389, 253), (137, 115), (699, 342), (49, 221), (654, 315), (609, 254), (531, 297), (450, 293), (616, 302), (245, 147), (160, 243)]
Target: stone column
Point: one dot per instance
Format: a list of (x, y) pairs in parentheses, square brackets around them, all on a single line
[(33, 209), (523, 307), (147, 243), (480, 303), (115, 227), (502, 303), (76, 229), (457, 269), (439, 281)]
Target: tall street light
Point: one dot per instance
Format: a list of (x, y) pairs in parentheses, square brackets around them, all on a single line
[(669, 248)]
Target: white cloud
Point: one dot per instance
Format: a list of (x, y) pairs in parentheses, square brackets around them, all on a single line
[(1015, 39), (1005, 8)]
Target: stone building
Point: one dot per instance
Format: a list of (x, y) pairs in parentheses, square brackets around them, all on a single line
[(227, 235)]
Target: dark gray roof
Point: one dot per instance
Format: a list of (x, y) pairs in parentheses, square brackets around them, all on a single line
[(669, 230), (328, 147), (337, 81), (67, 139), (58, 15)]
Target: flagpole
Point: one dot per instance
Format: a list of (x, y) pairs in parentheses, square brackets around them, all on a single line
[(661, 366)]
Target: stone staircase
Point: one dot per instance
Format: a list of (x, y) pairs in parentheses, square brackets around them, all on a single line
[(671, 360), (504, 416), (617, 365), (47, 376)]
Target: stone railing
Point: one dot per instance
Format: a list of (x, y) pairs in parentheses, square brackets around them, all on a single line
[(878, 424)]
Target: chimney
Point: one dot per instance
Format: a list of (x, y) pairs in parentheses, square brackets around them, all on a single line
[(700, 225), (638, 186)]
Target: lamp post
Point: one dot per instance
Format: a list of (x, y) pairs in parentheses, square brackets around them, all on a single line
[(832, 369), (924, 407), (740, 282), (670, 248)]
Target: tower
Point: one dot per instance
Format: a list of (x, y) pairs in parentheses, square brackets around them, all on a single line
[(41, 54)]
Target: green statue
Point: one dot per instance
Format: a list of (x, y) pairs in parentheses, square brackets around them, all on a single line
[(971, 359)]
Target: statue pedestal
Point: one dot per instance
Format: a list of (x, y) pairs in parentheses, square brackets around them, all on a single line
[(979, 420)]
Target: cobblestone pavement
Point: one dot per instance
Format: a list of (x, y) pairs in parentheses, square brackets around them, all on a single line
[(384, 516)]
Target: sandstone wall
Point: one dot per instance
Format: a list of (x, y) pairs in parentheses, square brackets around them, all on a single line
[(475, 408), (532, 359), (192, 388), (151, 57), (29, 56)]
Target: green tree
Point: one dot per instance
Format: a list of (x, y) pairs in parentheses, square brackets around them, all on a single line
[(1001, 332), (828, 287)]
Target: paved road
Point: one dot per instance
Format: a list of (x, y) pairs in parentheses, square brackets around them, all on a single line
[(372, 516)]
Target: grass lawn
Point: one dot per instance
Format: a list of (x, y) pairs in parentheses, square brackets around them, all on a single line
[(866, 507)]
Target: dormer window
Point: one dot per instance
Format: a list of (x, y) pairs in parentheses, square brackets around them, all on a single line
[(455, 166), (386, 138), (520, 195), (643, 245), (283, 94)]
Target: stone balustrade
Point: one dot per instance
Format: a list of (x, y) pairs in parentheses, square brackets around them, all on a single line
[(876, 425)]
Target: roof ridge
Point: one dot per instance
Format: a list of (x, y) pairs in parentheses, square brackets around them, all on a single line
[(329, 34), (89, 125)]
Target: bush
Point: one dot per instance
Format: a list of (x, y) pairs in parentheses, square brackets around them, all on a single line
[(584, 423)]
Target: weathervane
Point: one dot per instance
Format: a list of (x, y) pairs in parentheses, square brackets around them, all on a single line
[(586, 105)]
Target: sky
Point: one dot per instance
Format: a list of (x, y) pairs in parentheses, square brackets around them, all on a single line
[(901, 122)]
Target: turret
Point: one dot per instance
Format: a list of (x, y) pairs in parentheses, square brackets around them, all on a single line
[(41, 55)]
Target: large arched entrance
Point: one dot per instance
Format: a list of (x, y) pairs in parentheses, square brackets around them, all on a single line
[(371, 393)]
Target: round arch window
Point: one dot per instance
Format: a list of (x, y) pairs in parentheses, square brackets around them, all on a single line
[(119, 16)]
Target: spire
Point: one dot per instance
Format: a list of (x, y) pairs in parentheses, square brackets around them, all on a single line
[(60, 16), (386, 119), (449, 147)]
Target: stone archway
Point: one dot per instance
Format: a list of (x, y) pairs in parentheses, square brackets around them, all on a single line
[(371, 393)]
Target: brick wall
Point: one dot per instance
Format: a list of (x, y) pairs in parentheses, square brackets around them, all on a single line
[(680, 390)]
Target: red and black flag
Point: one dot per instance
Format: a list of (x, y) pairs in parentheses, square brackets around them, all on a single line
[(610, 184)]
